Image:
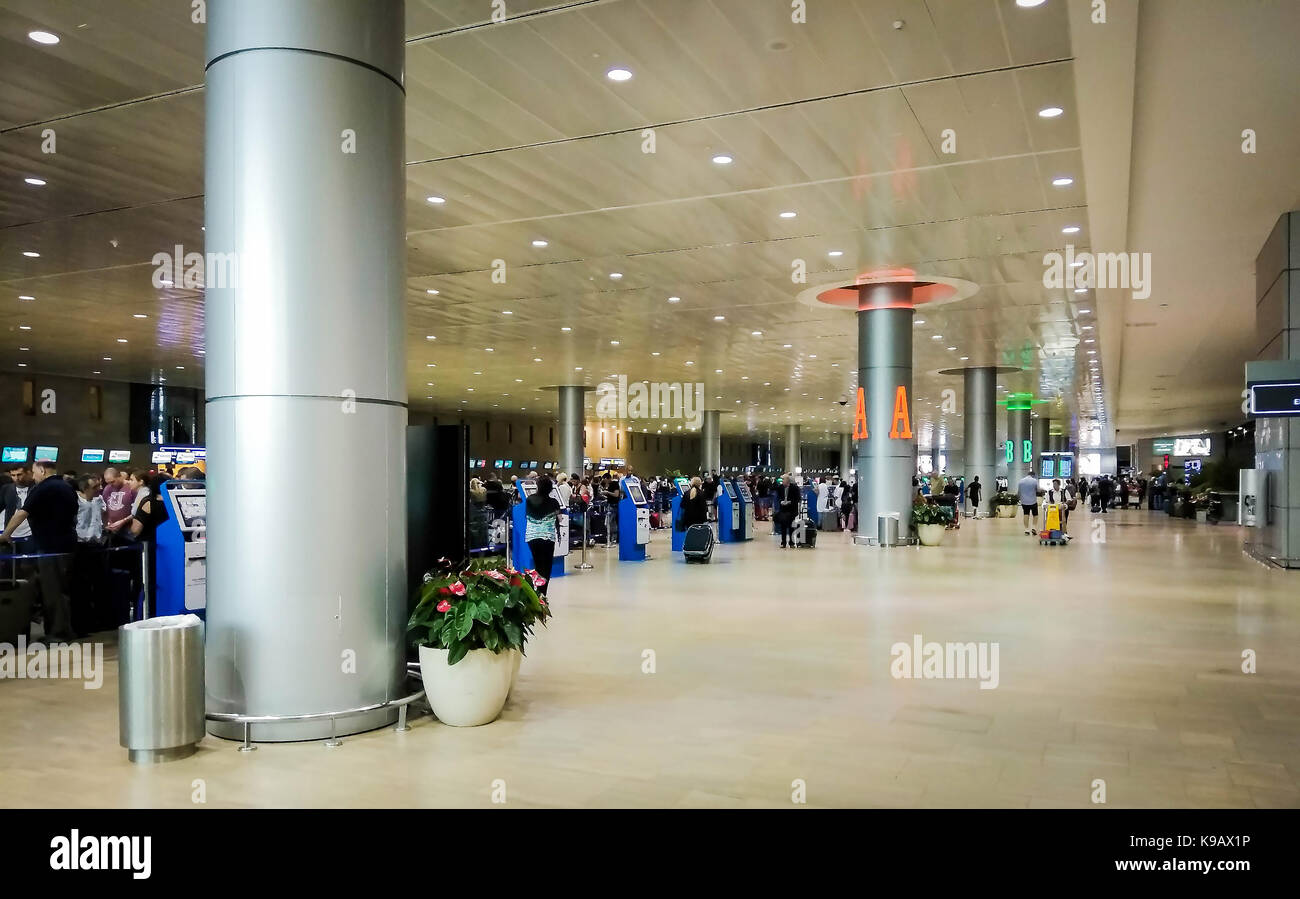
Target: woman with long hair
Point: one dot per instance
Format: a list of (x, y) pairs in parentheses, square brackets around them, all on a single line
[(541, 514)]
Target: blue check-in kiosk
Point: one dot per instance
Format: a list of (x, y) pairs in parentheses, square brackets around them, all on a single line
[(744, 520), (809, 491), (682, 486), (181, 563), (521, 555), (633, 520), (729, 512)]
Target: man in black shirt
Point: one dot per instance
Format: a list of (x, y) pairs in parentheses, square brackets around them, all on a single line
[(51, 508)]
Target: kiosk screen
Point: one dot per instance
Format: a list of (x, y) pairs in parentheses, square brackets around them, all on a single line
[(635, 492), (193, 508), (528, 487), (683, 484), (731, 489)]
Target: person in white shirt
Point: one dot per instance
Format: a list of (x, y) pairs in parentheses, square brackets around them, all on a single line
[(90, 511), (564, 490), (1061, 497)]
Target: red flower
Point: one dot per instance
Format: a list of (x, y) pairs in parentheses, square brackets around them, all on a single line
[(458, 588), (538, 580), (444, 606), (542, 600), (495, 575), (443, 591)]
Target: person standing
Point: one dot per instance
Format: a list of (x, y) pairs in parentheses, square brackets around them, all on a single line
[(1027, 490), (118, 500), (787, 510), (51, 511), (90, 511), (14, 496), (611, 493), (541, 512), (1102, 487), (974, 491)]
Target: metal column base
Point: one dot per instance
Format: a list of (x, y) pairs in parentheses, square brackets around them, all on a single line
[(861, 540), (157, 756)]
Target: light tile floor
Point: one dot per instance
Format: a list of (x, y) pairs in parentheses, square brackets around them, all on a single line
[(1119, 660)]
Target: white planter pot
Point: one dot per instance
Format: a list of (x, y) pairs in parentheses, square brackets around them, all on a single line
[(471, 692), (514, 667), (930, 534), (1006, 511)]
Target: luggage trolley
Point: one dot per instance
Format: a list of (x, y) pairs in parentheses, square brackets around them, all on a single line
[(1051, 534)]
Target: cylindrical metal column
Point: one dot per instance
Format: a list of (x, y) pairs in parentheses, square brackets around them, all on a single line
[(571, 427), (1039, 428), (979, 424), (887, 457), (305, 189), (711, 441), (792, 448), (1018, 439), (846, 456)]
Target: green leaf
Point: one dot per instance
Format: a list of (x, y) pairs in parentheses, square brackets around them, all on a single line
[(457, 653), (491, 639), (512, 632), (483, 612), (464, 619)]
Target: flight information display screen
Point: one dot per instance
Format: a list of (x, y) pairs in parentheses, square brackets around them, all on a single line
[(47, 454), (1276, 399), (14, 454), (92, 455), (1066, 467), (1191, 446), (1047, 468)]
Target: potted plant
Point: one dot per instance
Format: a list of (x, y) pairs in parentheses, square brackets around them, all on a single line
[(930, 521), (1004, 504), (471, 624)]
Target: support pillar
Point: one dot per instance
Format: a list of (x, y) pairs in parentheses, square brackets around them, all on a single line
[(1040, 430), (711, 441), (979, 424), (792, 448), (1018, 439), (846, 456), (571, 427), (887, 456), (305, 346)]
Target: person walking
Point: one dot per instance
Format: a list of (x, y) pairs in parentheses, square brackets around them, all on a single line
[(1027, 490), (1061, 497), (541, 512), (973, 491), (1103, 486)]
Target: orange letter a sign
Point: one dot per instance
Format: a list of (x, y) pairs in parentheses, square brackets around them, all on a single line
[(860, 417), (900, 415)]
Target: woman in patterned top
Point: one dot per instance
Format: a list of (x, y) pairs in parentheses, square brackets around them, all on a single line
[(542, 511)]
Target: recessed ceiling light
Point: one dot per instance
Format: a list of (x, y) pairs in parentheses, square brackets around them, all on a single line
[(1062, 182), (436, 201), (1090, 340), (430, 365), (430, 337), (1027, 4), (180, 368), (835, 253), (578, 368), (952, 348), (139, 315), (43, 37), (722, 159), (813, 356), (654, 353), (488, 349), (755, 333), (537, 358), (1076, 263), (22, 364), (936, 337), (25, 349), (506, 312), (34, 182), (788, 215), (719, 318), (540, 243), (1085, 311), (31, 255), (566, 328), (121, 340), (1050, 112), (108, 358), (690, 363), (24, 327), (432, 291), (1092, 352), (786, 346), (618, 75), (613, 343), (519, 380), (674, 299), (717, 371), (24, 296), (1087, 327), (964, 358), (1071, 229), (615, 275)]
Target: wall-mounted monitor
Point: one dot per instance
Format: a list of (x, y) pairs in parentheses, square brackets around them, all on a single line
[(159, 457), (496, 463), (1047, 467), (509, 463), (1065, 467), (14, 454), (92, 455), (119, 456), (46, 454), (1191, 446)]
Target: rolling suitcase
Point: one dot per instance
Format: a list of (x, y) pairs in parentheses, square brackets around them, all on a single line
[(698, 543)]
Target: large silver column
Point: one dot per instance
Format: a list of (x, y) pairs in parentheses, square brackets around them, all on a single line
[(886, 464), (304, 144), (571, 426), (979, 427), (711, 441), (1018, 437), (846, 456), (1039, 429), (792, 448)]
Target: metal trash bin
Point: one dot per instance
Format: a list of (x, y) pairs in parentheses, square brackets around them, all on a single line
[(887, 529), (160, 695)]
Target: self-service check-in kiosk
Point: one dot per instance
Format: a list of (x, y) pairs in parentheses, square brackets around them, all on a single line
[(729, 512), (521, 555), (181, 565), (744, 511), (633, 521), (682, 487)]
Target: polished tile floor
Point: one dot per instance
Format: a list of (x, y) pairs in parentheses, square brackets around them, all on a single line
[(1119, 657)]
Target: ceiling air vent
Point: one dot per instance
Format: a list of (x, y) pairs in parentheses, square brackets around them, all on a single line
[(1140, 324)]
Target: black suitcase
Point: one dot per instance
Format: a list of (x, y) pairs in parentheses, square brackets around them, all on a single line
[(697, 546)]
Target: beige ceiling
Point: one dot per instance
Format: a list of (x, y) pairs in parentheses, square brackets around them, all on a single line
[(839, 119)]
